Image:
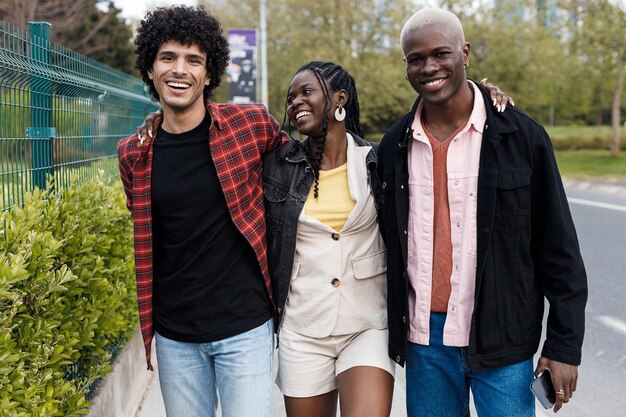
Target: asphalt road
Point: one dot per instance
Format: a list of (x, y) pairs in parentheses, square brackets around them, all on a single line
[(601, 225)]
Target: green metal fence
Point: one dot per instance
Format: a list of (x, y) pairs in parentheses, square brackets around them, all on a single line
[(61, 113)]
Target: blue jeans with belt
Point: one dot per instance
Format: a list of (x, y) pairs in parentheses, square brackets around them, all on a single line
[(438, 380), (238, 369)]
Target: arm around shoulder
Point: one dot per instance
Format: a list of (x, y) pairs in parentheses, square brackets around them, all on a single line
[(276, 136)]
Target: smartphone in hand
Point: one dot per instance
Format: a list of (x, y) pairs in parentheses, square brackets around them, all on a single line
[(544, 390)]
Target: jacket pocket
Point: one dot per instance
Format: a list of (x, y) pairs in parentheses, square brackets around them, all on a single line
[(275, 197), (521, 309), (509, 222), (370, 265), (274, 191), (513, 200)]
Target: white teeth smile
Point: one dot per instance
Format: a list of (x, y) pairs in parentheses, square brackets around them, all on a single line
[(435, 82), (302, 114), (178, 85)]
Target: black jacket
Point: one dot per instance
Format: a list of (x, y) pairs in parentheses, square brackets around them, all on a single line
[(287, 180), (527, 247)]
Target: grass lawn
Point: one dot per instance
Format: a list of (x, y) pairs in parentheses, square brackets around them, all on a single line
[(583, 137), (592, 164), (583, 132)]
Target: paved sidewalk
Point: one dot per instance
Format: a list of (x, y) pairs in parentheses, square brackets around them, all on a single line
[(153, 402)]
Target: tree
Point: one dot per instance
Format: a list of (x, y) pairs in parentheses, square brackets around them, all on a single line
[(551, 67), (603, 40), (362, 36), (529, 60), (91, 27)]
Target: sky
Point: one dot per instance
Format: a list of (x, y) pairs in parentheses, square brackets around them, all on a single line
[(136, 9)]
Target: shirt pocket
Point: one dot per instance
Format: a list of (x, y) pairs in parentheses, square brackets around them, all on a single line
[(371, 265), (513, 200)]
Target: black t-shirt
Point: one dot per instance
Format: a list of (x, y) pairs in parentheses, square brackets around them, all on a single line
[(207, 282)]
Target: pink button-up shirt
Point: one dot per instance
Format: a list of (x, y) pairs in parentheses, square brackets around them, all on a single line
[(463, 162)]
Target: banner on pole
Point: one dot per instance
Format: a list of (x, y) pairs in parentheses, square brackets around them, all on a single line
[(241, 72)]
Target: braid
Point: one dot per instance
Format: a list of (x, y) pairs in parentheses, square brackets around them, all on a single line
[(332, 77), (316, 160), (354, 113), (319, 155), (286, 118)]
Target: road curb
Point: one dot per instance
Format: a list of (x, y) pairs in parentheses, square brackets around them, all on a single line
[(120, 393)]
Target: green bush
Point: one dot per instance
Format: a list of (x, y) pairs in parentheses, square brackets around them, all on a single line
[(67, 296)]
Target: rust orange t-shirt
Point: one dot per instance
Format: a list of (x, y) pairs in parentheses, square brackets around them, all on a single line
[(442, 240)]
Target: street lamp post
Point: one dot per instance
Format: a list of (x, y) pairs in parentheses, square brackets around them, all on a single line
[(263, 24)]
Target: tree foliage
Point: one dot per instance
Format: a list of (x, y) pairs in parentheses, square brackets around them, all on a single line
[(561, 64), (362, 36), (91, 27), (528, 60), (602, 43)]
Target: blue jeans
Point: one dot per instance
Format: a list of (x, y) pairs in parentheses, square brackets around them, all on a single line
[(438, 380), (238, 368)]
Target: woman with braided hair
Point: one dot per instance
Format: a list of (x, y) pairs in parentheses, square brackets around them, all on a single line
[(326, 255)]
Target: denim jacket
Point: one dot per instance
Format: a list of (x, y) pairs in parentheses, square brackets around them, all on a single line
[(287, 180)]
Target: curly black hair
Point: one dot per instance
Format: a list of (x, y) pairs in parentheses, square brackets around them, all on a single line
[(189, 26)]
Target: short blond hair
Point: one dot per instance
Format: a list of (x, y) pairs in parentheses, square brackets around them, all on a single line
[(431, 15)]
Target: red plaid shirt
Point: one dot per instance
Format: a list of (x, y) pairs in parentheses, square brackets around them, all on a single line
[(239, 135)]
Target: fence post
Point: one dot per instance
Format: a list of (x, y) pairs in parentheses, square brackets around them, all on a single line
[(41, 131), (138, 112)]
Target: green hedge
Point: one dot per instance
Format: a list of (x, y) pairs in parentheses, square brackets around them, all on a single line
[(67, 296)]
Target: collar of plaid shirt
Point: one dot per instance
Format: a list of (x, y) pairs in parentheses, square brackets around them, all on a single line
[(239, 135)]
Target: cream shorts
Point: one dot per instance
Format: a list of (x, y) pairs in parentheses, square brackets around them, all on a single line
[(309, 366)]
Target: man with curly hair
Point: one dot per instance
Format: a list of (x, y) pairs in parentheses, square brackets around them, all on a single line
[(196, 198)]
